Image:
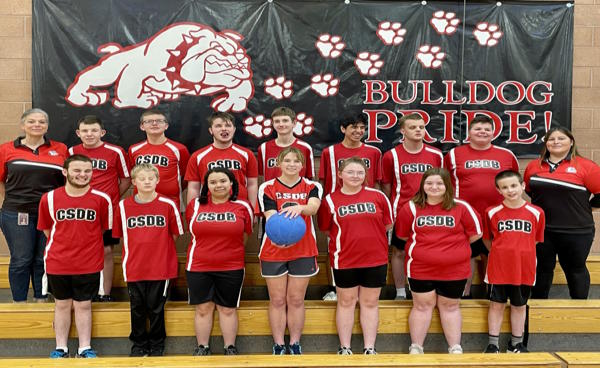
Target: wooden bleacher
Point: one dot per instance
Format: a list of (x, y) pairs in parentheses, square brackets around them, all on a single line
[(253, 277), (308, 360), (580, 359)]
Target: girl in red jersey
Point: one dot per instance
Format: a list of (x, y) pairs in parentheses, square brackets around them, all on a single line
[(357, 219), (219, 225), (439, 229), (288, 270), (561, 182)]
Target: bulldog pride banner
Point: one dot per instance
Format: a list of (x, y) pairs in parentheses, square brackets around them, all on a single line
[(448, 61)]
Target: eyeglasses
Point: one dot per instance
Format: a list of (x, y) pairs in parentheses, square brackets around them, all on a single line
[(355, 173), (155, 121)]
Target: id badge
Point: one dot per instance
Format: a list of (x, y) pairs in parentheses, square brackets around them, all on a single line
[(23, 219)]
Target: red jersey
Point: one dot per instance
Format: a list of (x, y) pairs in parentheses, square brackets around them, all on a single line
[(563, 192), (438, 240), (333, 156), (267, 159), (274, 195), (76, 224), (473, 172), (357, 228), (27, 174), (170, 158), (147, 230), (514, 233), (403, 170), (239, 160), (110, 164), (217, 242)]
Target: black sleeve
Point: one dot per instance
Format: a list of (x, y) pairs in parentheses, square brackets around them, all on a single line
[(314, 193), (270, 204), (595, 201)]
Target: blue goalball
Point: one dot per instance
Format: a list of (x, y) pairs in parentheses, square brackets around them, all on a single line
[(284, 231)]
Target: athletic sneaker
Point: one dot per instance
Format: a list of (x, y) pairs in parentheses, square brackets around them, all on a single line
[(344, 351), (519, 348), (492, 349), (455, 349), (138, 351), (159, 351), (231, 350), (105, 298), (415, 349), (202, 350), (278, 349), (295, 349), (87, 353), (369, 351), (58, 353), (330, 296)]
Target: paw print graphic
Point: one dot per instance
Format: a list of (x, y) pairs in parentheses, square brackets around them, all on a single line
[(487, 34), (325, 85), (368, 64), (279, 88), (430, 56), (304, 124), (258, 126), (444, 23), (391, 33), (330, 46)]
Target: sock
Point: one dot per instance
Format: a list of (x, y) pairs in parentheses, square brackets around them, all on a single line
[(81, 350), (401, 292), (514, 340), (493, 340), (63, 348)]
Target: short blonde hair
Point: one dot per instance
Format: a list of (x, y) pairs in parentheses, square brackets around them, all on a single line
[(144, 167)]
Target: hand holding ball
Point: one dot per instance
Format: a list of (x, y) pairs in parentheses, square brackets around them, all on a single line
[(285, 231)]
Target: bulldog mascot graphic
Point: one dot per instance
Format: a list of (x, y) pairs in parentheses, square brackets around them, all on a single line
[(181, 59)]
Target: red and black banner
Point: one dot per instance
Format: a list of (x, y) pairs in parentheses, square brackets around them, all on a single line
[(448, 61)]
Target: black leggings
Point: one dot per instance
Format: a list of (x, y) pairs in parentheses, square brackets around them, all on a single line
[(572, 251)]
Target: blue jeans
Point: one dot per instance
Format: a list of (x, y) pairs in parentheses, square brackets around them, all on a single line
[(26, 245)]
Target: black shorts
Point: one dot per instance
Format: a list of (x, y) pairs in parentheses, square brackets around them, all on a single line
[(518, 294), (301, 267), (370, 277), (397, 242), (450, 289), (224, 288), (77, 287), (109, 241), (477, 248)]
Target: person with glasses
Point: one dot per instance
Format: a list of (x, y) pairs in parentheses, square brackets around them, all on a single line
[(168, 156), (357, 219)]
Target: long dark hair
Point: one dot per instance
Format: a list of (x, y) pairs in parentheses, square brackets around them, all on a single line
[(544, 154), (420, 199), (235, 188)]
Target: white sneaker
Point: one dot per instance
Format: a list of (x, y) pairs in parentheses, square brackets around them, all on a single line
[(415, 349), (455, 349), (330, 296)]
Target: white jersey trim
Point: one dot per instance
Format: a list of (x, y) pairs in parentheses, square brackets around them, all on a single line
[(472, 213), (194, 243), (175, 211), (109, 203), (240, 151), (123, 225), (338, 243), (311, 157), (413, 243), (137, 146), (558, 182), (396, 161), (50, 199), (332, 169), (389, 206), (121, 157), (534, 211), (39, 164), (494, 210), (453, 170)]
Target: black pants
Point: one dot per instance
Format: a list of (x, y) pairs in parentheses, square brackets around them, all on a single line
[(572, 251), (147, 300)]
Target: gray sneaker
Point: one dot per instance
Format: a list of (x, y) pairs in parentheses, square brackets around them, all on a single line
[(202, 350)]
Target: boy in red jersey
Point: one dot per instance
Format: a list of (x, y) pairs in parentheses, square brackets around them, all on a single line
[(73, 262), (403, 167), (149, 224), (472, 169), (168, 156), (353, 129), (511, 231), (111, 176), (223, 153), (284, 120)]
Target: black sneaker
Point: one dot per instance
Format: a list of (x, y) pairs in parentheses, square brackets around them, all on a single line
[(138, 351), (231, 350), (517, 349), (295, 349), (202, 350), (369, 351), (344, 351), (492, 349), (105, 298), (158, 351), (278, 349)]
